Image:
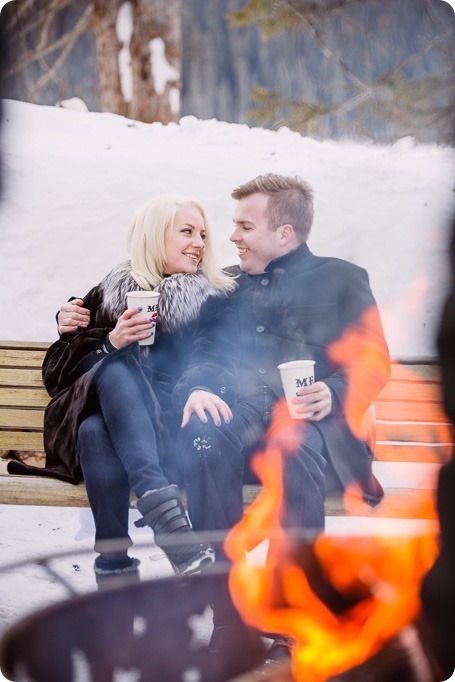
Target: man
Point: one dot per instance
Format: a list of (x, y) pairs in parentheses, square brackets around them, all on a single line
[(289, 305)]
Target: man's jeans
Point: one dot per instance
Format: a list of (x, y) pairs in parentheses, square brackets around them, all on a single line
[(215, 461), (118, 451)]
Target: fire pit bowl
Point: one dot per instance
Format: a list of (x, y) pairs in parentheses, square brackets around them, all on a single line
[(143, 631)]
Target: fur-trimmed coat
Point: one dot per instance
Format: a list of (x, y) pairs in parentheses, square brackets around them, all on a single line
[(71, 365)]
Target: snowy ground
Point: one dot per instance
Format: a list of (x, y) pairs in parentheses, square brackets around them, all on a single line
[(74, 179), (31, 532)]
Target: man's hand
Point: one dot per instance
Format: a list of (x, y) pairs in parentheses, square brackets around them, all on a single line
[(132, 325), (200, 401), (72, 315), (316, 398)]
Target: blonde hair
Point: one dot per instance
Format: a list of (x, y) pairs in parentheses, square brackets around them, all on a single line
[(146, 245)]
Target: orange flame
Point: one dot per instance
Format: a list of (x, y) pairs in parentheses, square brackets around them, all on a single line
[(361, 351), (377, 578), (340, 599)]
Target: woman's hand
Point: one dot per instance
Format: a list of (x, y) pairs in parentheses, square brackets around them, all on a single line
[(200, 401), (132, 325), (72, 315)]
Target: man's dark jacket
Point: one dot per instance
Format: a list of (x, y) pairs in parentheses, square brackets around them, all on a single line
[(305, 307)]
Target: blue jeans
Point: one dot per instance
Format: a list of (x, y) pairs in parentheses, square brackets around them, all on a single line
[(118, 451), (215, 463)]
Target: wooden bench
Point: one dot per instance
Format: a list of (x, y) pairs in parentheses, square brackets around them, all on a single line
[(413, 437)]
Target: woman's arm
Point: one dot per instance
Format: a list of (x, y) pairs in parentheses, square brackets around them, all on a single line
[(77, 352)]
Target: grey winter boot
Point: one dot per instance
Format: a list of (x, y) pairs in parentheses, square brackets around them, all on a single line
[(163, 511), (110, 568)]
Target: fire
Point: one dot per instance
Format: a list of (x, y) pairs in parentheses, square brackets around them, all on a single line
[(361, 351), (340, 599)]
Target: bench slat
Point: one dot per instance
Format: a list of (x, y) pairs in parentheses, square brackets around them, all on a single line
[(21, 358), (410, 411), (408, 390), (23, 397), (432, 432), (404, 452), (37, 490), (20, 377), (41, 491), (427, 371), (25, 345), (21, 440), (19, 419)]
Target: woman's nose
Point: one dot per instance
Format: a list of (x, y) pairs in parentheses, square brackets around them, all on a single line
[(198, 242)]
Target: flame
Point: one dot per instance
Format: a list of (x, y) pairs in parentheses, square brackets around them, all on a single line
[(340, 599), (377, 580), (361, 351)]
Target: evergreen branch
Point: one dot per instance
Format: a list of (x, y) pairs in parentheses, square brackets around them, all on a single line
[(416, 55)]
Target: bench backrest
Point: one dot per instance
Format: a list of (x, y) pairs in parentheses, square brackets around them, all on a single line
[(411, 423), (22, 396)]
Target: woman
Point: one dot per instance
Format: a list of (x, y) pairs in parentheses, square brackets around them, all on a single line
[(111, 415)]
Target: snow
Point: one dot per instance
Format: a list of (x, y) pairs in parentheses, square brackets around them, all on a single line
[(72, 182)]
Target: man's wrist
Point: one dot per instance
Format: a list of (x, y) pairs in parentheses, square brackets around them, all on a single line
[(201, 388)]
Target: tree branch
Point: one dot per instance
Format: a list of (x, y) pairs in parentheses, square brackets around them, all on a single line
[(79, 28)]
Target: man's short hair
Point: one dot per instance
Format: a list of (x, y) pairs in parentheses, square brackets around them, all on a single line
[(290, 201)]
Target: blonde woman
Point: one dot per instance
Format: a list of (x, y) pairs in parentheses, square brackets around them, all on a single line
[(111, 417)]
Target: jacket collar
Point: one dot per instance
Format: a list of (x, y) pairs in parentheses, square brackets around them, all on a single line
[(290, 260)]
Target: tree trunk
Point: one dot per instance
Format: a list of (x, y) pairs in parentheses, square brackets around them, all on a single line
[(158, 19), (107, 50)]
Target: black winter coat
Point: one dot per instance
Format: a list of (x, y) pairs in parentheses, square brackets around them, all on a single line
[(307, 307), (71, 364)]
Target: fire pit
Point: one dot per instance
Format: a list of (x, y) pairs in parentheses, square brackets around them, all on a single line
[(143, 631)]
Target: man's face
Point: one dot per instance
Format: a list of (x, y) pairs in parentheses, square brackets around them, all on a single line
[(256, 244)]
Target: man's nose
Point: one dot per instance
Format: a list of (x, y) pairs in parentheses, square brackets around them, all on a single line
[(234, 236)]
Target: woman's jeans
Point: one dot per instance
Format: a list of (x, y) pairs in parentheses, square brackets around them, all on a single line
[(118, 451)]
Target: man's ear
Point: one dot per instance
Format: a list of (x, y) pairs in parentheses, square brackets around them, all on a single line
[(287, 234)]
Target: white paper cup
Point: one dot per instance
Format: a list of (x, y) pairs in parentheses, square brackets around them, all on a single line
[(148, 301), (294, 376)]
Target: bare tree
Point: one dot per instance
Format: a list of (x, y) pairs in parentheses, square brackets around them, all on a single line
[(48, 40)]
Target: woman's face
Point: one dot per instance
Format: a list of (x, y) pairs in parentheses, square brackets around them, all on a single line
[(184, 244)]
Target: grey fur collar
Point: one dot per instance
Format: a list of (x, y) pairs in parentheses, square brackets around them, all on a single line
[(180, 302)]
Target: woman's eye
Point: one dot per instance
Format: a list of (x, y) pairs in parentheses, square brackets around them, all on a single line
[(203, 236), (186, 230)]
